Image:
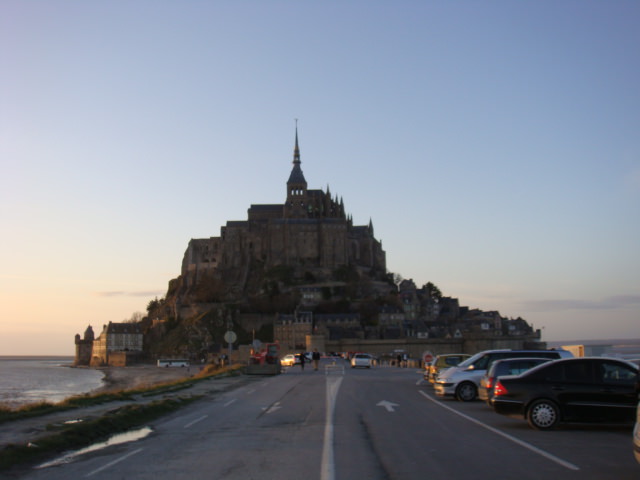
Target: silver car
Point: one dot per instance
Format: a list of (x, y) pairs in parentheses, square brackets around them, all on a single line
[(508, 366), (362, 360), (462, 382)]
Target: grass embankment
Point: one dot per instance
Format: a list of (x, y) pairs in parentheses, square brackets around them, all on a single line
[(77, 435)]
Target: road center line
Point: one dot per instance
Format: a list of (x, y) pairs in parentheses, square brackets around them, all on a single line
[(195, 421), (229, 402), (111, 464), (524, 444), (327, 469)]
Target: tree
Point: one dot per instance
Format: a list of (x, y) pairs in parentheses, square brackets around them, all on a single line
[(154, 304), (433, 291), (135, 317)]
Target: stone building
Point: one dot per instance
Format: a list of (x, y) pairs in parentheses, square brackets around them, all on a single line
[(309, 233), (291, 331), (84, 347), (119, 344)]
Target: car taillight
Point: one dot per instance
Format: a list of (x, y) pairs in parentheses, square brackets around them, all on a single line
[(499, 389), (489, 383)]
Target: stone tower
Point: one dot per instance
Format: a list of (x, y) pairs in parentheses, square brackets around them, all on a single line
[(84, 347)]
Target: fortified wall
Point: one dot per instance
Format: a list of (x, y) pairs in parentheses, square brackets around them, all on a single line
[(416, 347)]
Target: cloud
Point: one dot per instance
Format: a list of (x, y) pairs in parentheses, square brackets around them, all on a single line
[(116, 293), (608, 303)]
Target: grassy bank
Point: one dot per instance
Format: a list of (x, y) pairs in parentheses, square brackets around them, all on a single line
[(77, 435), (65, 437), (45, 408)]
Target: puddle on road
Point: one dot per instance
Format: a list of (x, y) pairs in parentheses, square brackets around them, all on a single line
[(126, 437)]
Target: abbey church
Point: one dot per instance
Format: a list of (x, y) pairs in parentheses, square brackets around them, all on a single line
[(309, 233), (296, 272)]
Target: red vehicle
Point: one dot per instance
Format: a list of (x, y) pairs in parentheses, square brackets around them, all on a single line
[(266, 361), (268, 355)]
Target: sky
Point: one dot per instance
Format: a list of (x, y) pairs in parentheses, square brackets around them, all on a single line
[(494, 145)]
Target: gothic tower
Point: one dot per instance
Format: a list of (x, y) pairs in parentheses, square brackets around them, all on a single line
[(297, 198)]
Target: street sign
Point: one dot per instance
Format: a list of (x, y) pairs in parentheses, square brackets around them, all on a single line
[(230, 336), (427, 357)]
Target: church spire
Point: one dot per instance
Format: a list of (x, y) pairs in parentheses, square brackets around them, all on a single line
[(297, 205), (296, 179), (296, 149)]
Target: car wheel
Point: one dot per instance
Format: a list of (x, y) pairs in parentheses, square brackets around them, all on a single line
[(466, 392), (543, 415)]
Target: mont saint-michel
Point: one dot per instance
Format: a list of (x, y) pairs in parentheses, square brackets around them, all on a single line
[(301, 274)]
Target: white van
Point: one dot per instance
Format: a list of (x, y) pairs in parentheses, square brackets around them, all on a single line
[(462, 381), (173, 362)]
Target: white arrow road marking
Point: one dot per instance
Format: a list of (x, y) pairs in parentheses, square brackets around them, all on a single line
[(388, 405), (272, 408)]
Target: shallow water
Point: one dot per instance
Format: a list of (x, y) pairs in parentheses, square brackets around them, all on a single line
[(25, 380), (118, 439)]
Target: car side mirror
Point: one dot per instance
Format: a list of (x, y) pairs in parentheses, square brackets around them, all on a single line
[(471, 367)]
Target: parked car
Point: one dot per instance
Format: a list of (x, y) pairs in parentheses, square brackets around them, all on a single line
[(288, 360), (636, 435), (462, 381), (594, 389), (508, 366), (363, 360), (441, 362)]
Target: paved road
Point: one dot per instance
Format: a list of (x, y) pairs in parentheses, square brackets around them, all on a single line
[(383, 423)]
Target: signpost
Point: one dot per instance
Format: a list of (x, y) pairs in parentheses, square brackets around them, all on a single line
[(230, 337), (427, 357)]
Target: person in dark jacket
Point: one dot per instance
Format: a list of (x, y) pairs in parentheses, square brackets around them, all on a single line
[(315, 357)]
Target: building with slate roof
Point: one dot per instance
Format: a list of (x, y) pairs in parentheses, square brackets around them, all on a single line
[(310, 233), (119, 344)]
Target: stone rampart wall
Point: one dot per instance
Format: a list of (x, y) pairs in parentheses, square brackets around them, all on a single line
[(415, 347)]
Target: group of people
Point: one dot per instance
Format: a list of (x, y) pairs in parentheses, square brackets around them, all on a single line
[(315, 359)]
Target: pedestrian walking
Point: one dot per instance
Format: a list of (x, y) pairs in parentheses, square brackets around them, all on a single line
[(302, 359), (315, 357)]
